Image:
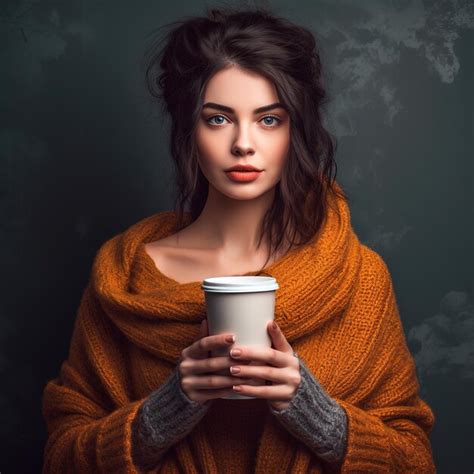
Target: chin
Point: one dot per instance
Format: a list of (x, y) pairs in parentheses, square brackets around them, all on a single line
[(245, 194)]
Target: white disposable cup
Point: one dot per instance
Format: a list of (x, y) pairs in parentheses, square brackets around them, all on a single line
[(241, 305)]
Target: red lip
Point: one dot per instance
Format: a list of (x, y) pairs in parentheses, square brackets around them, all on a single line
[(243, 176), (243, 168)]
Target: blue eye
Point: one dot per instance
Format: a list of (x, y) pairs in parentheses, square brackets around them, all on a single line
[(213, 117), (272, 117), (278, 120)]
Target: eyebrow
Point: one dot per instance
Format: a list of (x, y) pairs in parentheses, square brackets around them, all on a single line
[(224, 108)]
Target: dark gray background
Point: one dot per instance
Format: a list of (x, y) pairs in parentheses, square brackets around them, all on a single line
[(84, 154)]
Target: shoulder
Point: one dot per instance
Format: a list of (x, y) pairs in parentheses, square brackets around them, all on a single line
[(374, 288), (373, 305), (374, 266)]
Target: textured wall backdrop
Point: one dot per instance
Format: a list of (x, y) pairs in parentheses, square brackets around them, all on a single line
[(84, 154)]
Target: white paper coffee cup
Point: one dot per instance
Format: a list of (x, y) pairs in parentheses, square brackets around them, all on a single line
[(241, 305)]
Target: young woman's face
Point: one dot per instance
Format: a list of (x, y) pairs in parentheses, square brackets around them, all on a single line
[(242, 135)]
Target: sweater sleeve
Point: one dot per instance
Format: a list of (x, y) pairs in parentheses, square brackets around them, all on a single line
[(163, 419), (82, 432), (387, 430), (314, 418), (89, 408)]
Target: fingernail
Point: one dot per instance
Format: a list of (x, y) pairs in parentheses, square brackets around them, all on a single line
[(274, 325), (234, 370), (235, 352), (230, 339)]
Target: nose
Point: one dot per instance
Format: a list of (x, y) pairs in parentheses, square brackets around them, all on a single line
[(241, 145)]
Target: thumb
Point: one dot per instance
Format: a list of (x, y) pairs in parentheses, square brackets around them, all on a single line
[(278, 338), (203, 329)]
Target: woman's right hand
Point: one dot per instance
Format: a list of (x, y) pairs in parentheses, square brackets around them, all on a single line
[(195, 367)]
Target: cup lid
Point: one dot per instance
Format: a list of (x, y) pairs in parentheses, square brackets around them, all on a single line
[(239, 284)]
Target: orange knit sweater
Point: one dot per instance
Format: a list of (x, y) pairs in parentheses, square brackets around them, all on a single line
[(337, 308)]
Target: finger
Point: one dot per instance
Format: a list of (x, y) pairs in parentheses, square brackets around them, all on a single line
[(203, 329), (267, 355), (203, 332), (210, 382), (205, 366), (263, 372), (269, 392), (278, 338), (200, 348)]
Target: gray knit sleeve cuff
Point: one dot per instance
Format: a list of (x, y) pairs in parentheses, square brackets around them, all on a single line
[(316, 419), (163, 419)]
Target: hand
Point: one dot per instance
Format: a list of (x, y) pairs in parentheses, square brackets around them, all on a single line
[(195, 365), (283, 369)]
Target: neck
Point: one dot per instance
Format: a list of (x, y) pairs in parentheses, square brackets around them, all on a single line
[(232, 227)]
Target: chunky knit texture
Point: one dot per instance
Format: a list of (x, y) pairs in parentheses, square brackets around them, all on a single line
[(336, 306), (314, 418), (168, 415), (165, 417)]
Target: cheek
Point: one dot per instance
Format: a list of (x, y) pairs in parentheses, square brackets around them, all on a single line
[(279, 143), (209, 144), (208, 151), (211, 148), (277, 153)]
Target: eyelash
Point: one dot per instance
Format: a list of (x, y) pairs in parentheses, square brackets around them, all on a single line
[(266, 116)]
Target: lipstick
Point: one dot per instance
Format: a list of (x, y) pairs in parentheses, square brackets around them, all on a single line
[(243, 176)]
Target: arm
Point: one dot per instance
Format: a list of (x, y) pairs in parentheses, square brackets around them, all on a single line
[(389, 428), (89, 408), (165, 417), (87, 429), (387, 423), (315, 418)]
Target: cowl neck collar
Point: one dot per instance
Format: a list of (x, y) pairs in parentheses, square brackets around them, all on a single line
[(163, 316)]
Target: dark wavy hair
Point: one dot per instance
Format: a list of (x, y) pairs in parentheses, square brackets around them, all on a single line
[(256, 40)]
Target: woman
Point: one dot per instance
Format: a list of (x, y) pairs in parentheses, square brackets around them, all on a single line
[(139, 391)]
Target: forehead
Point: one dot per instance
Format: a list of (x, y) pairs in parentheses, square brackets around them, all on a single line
[(240, 88)]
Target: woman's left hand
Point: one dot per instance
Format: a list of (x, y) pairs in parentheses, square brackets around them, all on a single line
[(283, 370)]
